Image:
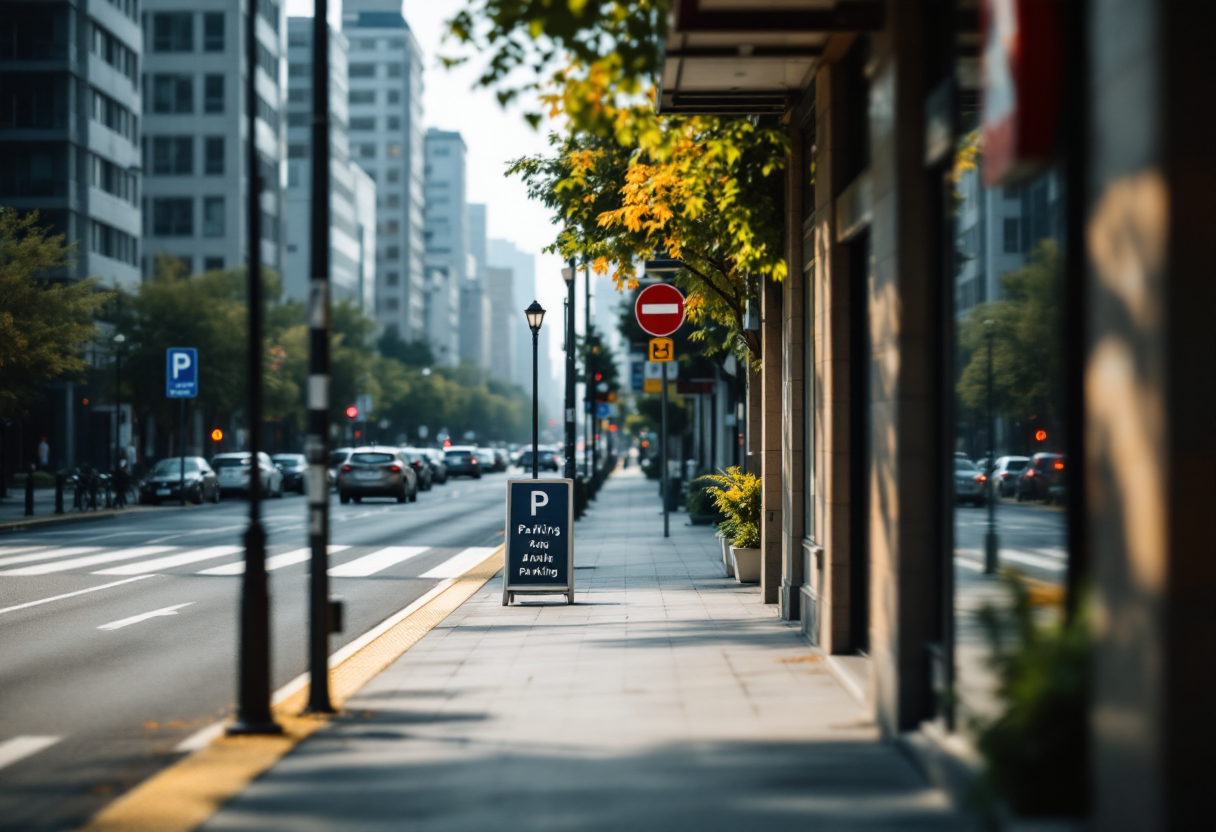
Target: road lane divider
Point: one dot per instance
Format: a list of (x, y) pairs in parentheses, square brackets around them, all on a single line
[(41, 601), (18, 748), (144, 616), (184, 796)]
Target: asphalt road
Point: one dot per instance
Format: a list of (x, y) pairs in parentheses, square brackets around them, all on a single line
[(95, 694), (1031, 536)]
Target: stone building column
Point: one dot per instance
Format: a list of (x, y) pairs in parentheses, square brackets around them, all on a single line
[(770, 440)]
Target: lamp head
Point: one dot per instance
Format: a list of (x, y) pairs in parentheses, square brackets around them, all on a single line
[(120, 339), (568, 274), (535, 314)]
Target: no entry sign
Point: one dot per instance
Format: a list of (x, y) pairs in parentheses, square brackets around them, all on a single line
[(540, 538), (660, 309)]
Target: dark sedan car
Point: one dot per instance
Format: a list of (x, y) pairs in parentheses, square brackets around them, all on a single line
[(1038, 476), (545, 460), (463, 462), (439, 467), (421, 463), (295, 470), (164, 482)]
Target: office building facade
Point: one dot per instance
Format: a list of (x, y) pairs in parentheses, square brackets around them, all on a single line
[(386, 141), (447, 243)]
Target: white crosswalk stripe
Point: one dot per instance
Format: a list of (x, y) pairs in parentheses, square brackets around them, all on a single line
[(18, 748), (47, 554), (272, 563), (46, 568), (376, 561), (456, 566), (172, 561)]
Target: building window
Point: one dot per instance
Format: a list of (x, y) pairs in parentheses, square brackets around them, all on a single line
[(393, 70), (363, 123), (299, 96), (213, 93), (213, 216), (109, 112), (393, 200), (268, 114), (213, 264), (173, 32), (392, 253), (113, 179), (392, 227), (268, 62), (393, 278), (172, 94), (114, 52), (270, 228), (269, 11), (112, 243), (362, 71), (441, 151), (394, 123), (213, 156), (394, 96), (299, 119), (297, 151), (1013, 236), (213, 32), (394, 175), (391, 304), (393, 151), (365, 151), (173, 217), (299, 70), (362, 97), (172, 155)]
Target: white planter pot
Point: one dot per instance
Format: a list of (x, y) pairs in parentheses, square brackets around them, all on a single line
[(727, 563), (747, 565)]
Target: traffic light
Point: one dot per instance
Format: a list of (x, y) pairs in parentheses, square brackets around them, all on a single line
[(1040, 435), (352, 412), (217, 435)]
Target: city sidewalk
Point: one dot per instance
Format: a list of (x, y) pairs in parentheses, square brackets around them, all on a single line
[(667, 698)]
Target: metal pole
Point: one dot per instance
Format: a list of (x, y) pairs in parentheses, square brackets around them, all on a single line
[(664, 479), (571, 371), (253, 689), (317, 441), (181, 449), (588, 413), (991, 543), (117, 408), (535, 406)]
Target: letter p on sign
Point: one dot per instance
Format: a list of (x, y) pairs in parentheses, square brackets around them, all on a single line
[(181, 361), (539, 498)]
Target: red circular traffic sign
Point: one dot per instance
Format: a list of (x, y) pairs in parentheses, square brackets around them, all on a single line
[(660, 309)]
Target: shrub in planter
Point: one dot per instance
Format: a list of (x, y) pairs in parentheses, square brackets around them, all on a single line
[(737, 495), (1037, 750), (700, 503), (650, 468)]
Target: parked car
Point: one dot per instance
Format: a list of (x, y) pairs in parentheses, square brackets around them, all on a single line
[(233, 471), (486, 457), (970, 483), (421, 463), (377, 471), (501, 459), (1036, 478), (295, 471), (439, 467), (462, 461), (337, 458), (546, 461), (164, 482), (1005, 474)]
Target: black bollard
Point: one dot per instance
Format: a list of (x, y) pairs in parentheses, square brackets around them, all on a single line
[(29, 493), (59, 481), (92, 492)]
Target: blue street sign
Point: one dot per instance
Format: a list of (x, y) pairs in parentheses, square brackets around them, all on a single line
[(181, 373), (603, 410), (637, 374)]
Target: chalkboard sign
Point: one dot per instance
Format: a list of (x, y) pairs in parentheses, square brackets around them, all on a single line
[(540, 539)]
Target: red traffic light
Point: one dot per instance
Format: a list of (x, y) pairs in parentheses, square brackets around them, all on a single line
[(1040, 435), (352, 412)]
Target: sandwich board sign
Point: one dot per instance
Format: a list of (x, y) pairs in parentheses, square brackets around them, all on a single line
[(540, 539)]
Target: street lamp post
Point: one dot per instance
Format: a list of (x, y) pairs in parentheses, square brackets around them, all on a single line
[(119, 340), (253, 693), (535, 315), (588, 385), (991, 542), (571, 437)]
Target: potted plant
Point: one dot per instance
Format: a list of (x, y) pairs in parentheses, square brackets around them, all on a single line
[(726, 534), (700, 503), (737, 495)]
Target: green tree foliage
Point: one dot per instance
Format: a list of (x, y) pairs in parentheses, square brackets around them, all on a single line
[(416, 353), (1025, 347), (43, 323)]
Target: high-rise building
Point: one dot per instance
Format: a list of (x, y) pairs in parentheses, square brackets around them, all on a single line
[(195, 131), (352, 225), (386, 140), (69, 127), (475, 300), (447, 244), (506, 255), (505, 316)]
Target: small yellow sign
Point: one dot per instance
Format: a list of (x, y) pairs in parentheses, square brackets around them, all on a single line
[(662, 349), (652, 385)]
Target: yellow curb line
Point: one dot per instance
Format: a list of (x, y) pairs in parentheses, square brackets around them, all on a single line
[(186, 794)]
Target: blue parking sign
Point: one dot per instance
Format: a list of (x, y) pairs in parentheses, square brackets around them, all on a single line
[(181, 373)]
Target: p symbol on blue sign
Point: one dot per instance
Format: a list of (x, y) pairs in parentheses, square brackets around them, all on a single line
[(539, 499), (181, 361)]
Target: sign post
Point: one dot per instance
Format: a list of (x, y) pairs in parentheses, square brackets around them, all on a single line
[(181, 382), (540, 539), (660, 312)]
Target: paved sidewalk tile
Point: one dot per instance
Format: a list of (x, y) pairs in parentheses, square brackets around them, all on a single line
[(667, 698)]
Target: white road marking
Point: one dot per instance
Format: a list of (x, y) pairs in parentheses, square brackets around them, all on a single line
[(456, 566), (272, 563), (18, 748), (88, 560), (202, 738), (376, 561), (47, 554), (660, 309), (29, 604), (172, 561), (144, 616)]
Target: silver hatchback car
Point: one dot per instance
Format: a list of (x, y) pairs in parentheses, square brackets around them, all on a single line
[(375, 471)]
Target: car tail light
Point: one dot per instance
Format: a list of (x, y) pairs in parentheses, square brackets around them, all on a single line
[(1059, 466), (244, 472), (981, 478), (396, 469), (347, 468), (1030, 473)]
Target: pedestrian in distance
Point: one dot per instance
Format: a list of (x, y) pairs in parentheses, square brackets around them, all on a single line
[(44, 454), (122, 482)]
